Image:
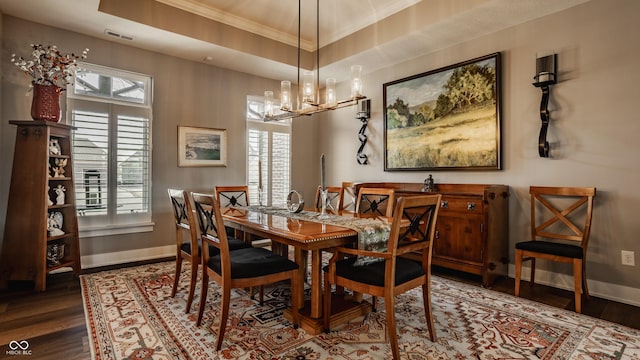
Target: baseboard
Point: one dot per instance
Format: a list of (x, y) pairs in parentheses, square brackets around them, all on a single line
[(128, 256), (619, 293)]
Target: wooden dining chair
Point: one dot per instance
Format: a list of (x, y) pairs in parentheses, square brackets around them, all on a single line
[(184, 223), (242, 268), (377, 201), (231, 196), (393, 274), (347, 197), (333, 197), (560, 228), (190, 250)]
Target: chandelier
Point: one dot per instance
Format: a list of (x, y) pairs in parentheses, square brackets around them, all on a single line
[(308, 94)]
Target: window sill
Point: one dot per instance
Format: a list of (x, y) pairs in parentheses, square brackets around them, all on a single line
[(116, 230)]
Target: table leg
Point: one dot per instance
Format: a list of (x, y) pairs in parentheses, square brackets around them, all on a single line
[(302, 274), (316, 284)]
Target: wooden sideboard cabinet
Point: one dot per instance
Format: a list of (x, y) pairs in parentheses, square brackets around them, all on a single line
[(35, 208), (472, 231)]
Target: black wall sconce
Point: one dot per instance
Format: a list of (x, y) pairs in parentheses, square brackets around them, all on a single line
[(546, 70), (364, 113)]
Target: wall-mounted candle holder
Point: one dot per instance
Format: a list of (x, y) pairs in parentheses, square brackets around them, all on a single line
[(546, 71)]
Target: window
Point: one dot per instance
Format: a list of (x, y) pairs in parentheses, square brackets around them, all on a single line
[(268, 144), (111, 110)]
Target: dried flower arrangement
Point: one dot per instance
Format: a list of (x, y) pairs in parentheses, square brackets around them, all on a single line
[(48, 66)]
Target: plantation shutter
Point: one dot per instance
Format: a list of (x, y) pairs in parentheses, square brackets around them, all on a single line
[(271, 144)]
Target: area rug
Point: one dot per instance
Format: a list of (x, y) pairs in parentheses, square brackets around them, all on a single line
[(130, 315)]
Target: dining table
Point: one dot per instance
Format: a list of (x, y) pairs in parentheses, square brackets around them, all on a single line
[(308, 238)]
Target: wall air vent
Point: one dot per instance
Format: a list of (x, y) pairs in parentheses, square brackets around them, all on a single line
[(118, 35)]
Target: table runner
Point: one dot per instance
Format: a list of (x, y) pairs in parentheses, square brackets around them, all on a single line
[(373, 234)]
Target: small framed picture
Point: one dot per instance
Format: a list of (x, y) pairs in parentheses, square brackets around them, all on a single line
[(201, 146)]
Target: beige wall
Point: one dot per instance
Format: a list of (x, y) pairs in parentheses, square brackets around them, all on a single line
[(593, 132), (185, 93)]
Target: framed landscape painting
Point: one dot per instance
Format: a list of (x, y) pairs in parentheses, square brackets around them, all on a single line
[(445, 119), (202, 146)]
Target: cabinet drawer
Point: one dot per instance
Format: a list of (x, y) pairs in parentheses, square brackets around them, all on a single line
[(466, 205)]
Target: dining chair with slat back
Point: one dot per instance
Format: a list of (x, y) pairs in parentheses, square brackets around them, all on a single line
[(234, 196), (560, 229), (392, 274), (377, 201), (185, 249), (231, 196), (333, 197), (347, 197), (242, 268)]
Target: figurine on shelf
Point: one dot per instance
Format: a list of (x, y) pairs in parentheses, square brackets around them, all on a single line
[(48, 198), (54, 147), (54, 224), (60, 194), (59, 169)]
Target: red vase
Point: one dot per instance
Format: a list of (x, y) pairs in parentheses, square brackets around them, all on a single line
[(45, 104)]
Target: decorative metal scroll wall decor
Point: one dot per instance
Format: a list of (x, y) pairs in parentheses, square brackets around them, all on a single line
[(545, 75), (364, 113)]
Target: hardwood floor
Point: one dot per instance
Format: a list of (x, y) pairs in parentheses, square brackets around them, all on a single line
[(53, 321)]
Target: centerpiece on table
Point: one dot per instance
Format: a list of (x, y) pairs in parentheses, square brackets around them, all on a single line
[(50, 71)]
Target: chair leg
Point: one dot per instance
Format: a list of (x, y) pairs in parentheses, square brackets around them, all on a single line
[(577, 279), (261, 295), (176, 276), (295, 306), (192, 285), (532, 280), (389, 303), (203, 295), (518, 271), (426, 298), (374, 301), (585, 289), (224, 315)]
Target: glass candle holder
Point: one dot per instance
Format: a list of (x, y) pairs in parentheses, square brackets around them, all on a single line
[(330, 92), (268, 103), (285, 95), (356, 81), (308, 90)]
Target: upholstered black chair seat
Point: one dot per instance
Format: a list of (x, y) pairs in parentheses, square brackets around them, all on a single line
[(553, 248), (373, 273), (253, 262)]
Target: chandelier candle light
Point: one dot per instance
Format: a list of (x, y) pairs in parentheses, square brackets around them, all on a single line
[(308, 89)]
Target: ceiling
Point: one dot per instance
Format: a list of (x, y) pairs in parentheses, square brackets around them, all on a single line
[(261, 36)]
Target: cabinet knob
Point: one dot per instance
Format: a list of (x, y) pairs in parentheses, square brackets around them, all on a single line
[(471, 206), (444, 204), (437, 234)]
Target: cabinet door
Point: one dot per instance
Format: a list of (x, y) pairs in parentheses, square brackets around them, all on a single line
[(459, 237)]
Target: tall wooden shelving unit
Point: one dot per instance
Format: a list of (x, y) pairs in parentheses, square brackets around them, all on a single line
[(33, 184)]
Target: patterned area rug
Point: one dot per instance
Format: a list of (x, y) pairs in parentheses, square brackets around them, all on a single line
[(130, 315)]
